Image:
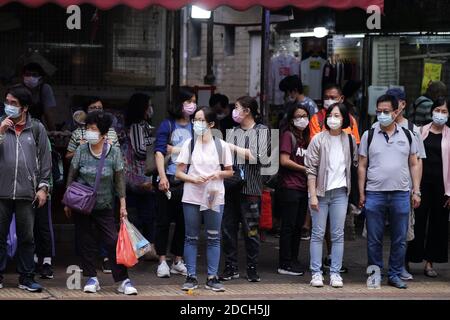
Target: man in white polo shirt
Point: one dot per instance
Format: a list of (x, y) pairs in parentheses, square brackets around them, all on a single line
[(387, 162)]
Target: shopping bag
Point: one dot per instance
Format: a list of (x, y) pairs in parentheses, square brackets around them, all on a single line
[(11, 240), (140, 245), (124, 250), (265, 220)]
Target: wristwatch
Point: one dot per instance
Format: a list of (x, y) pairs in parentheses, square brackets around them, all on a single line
[(417, 193)]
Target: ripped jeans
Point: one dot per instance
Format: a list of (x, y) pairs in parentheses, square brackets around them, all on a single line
[(193, 220)]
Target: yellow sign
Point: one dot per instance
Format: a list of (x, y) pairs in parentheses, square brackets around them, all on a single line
[(314, 65), (431, 72)]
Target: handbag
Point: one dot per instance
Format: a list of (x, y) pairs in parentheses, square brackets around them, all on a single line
[(80, 197)]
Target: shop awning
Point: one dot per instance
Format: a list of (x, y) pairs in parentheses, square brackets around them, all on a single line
[(212, 4)]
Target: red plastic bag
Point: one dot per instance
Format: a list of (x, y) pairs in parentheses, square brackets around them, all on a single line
[(124, 250), (265, 220)]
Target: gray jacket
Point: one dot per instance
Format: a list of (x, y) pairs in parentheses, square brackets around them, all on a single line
[(24, 169), (316, 160)]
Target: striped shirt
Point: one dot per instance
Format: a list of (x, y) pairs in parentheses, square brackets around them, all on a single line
[(257, 139), (79, 134), (140, 137)]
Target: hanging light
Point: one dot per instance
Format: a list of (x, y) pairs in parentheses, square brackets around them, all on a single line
[(199, 13), (320, 32)]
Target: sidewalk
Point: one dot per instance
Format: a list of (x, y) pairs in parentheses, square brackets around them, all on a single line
[(272, 286)]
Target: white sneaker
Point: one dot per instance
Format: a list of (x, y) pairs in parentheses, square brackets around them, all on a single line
[(317, 280), (92, 286), (127, 288), (178, 268), (163, 270), (336, 281)]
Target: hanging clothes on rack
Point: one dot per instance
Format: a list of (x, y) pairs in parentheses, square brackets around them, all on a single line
[(281, 66), (311, 75)]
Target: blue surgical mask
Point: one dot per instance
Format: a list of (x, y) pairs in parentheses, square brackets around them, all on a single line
[(439, 118), (31, 82), (200, 128), (12, 111), (385, 119)]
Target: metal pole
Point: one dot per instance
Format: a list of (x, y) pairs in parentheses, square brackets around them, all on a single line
[(168, 56), (265, 41), (176, 53), (210, 78)]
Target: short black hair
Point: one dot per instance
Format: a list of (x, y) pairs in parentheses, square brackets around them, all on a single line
[(210, 114), (331, 86), (176, 109), (21, 93), (250, 103), (344, 112), (33, 67), (102, 119), (89, 101), (291, 83), (137, 107), (219, 98), (439, 102), (388, 98)]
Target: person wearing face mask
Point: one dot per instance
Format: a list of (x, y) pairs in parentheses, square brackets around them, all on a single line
[(220, 104), (249, 144), (387, 163), (400, 95), (431, 217), (332, 94), (140, 193), (170, 136), (328, 164), (24, 183), (293, 192), (43, 99), (101, 221), (203, 163), (78, 136)]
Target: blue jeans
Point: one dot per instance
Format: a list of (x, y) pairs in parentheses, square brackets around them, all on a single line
[(213, 221), (334, 204), (397, 204)]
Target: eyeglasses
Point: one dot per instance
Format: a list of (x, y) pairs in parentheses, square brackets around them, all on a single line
[(385, 112), (199, 120), (12, 103)]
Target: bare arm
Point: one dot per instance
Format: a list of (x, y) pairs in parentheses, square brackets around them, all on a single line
[(362, 171), (241, 152), (415, 169), (286, 162)]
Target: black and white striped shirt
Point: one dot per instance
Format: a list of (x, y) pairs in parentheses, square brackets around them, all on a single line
[(257, 139), (140, 138)]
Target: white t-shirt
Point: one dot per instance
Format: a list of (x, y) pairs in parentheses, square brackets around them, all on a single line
[(336, 165), (205, 162), (312, 72)]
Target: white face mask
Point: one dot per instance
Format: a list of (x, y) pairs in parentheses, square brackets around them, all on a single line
[(93, 137), (334, 123), (328, 103), (439, 118), (301, 123)]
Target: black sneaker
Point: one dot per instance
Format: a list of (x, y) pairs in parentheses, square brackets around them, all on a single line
[(327, 265), (229, 273), (27, 283), (214, 285), (252, 275), (106, 266), (46, 271), (290, 271), (305, 234), (191, 283)]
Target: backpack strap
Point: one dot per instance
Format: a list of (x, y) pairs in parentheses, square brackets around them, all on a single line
[(408, 135), (369, 141), (350, 139), (218, 144), (293, 141)]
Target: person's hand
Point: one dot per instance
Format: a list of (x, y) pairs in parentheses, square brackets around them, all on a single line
[(164, 184), (123, 213), (215, 176), (169, 149), (447, 203), (83, 141), (199, 180), (5, 125), (68, 212), (314, 203), (362, 200), (41, 197), (416, 201), (110, 142)]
